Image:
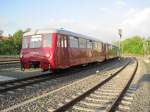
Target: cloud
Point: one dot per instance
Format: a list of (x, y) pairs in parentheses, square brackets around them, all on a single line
[(131, 11), (95, 30), (120, 3), (104, 9), (137, 22)]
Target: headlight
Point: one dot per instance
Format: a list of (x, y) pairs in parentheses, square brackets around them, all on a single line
[(48, 55)]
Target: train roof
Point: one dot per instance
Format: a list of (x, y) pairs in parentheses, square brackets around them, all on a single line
[(61, 31)]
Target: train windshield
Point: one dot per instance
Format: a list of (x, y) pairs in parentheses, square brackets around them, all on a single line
[(37, 41)]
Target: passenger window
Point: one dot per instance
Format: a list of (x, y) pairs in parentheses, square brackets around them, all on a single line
[(74, 42), (94, 44), (100, 46), (58, 40), (62, 41), (65, 41), (89, 44), (82, 43)]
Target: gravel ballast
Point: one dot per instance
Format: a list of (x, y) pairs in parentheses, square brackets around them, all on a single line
[(54, 99), (141, 99), (33, 91)]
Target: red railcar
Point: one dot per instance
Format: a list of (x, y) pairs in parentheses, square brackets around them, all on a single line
[(58, 49), (112, 51)]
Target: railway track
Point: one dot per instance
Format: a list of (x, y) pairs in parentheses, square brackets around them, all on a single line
[(12, 60), (8, 60), (19, 83), (88, 80), (106, 66), (9, 63), (104, 97)]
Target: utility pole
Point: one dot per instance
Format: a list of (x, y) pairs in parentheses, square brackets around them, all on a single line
[(120, 35)]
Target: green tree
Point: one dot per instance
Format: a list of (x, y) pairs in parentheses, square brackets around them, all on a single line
[(17, 37), (12, 45), (133, 45)]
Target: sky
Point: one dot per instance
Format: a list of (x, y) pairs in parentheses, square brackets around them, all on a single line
[(100, 19)]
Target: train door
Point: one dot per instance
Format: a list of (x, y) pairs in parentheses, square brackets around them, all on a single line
[(106, 51), (62, 51), (65, 58)]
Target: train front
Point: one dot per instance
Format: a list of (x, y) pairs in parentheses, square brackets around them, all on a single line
[(37, 51)]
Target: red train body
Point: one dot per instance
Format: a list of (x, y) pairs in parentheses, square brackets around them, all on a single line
[(58, 49)]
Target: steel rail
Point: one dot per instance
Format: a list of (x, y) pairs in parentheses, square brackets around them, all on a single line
[(115, 104), (11, 60), (88, 92)]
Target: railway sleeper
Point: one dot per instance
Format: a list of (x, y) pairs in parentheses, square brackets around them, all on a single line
[(105, 93), (101, 97), (125, 102), (123, 108), (88, 99), (109, 90), (81, 109), (92, 106)]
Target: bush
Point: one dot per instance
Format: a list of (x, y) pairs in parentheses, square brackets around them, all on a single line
[(12, 45), (133, 45)]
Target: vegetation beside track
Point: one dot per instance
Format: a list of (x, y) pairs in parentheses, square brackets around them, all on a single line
[(135, 45), (12, 44)]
